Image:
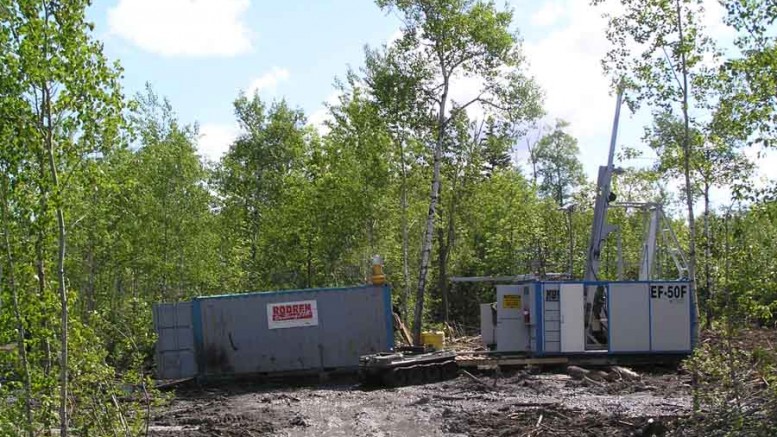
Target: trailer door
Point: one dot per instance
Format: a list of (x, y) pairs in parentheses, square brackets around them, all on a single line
[(572, 318), (175, 356)]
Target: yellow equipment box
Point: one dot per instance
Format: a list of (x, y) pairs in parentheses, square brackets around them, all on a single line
[(435, 339)]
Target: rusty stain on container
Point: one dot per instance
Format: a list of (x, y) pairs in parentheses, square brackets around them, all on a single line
[(216, 360)]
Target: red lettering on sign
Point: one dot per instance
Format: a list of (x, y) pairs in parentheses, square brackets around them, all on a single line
[(292, 312)]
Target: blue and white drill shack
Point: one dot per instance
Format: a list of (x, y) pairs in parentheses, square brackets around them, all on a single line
[(562, 318), (648, 316)]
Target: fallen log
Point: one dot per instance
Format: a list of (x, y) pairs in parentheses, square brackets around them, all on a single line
[(625, 373), (597, 375), (590, 381), (577, 372)]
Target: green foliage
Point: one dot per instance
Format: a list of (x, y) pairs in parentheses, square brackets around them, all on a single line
[(403, 170), (743, 265), (736, 384), (747, 82), (558, 166), (653, 74)]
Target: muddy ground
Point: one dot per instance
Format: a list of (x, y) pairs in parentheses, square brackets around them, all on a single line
[(516, 404)]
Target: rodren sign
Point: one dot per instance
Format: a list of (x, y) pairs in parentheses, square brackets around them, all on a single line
[(292, 314)]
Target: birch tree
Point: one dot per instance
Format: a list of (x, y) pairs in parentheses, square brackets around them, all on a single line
[(68, 108), (446, 40)]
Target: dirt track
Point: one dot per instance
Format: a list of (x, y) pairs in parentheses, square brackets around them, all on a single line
[(518, 404)]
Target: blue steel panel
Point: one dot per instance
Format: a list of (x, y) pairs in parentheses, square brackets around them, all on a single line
[(354, 326), (692, 313)]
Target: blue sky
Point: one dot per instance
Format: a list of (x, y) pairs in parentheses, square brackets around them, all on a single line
[(201, 53)]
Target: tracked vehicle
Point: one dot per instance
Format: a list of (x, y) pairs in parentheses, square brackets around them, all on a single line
[(407, 366)]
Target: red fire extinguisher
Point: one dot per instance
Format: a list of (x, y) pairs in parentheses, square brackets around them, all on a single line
[(526, 316)]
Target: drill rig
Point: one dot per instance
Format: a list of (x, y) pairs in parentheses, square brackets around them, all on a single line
[(596, 320)]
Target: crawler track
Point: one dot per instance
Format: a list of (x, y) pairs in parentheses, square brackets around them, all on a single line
[(398, 369)]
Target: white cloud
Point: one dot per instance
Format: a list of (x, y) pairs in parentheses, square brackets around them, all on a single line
[(714, 14), (565, 58), (765, 161), (215, 140), (269, 81), (183, 27), (566, 63), (548, 14), (394, 37), (320, 116), (462, 90)]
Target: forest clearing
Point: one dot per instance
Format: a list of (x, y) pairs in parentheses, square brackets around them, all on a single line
[(511, 403), (176, 205)]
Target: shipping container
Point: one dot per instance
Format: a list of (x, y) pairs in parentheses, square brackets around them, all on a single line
[(269, 332)]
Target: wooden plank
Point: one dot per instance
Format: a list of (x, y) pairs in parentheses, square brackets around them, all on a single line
[(403, 332)]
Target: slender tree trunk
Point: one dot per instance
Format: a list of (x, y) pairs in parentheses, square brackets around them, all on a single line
[(40, 263), (446, 245), (537, 266), (687, 152), (181, 274), (405, 242), (511, 232), (254, 251), (442, 261), (533, 160), (443, 248), (165, 245), (41, 223), (426, 248), (707, 255), (21, 334), (90, 298), (310, 263), (727, 262), (63, 359), (571, 244)]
